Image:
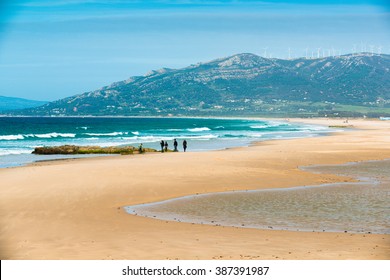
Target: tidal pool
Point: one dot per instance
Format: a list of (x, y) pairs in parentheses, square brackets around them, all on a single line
[(362, 207)]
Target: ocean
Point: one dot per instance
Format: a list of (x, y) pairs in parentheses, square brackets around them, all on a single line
[(20, 135)]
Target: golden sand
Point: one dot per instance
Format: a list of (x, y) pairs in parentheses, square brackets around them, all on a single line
[(73, 209)]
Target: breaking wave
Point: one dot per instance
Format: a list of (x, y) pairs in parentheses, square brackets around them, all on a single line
[(11, 137), (45, 135), (107, 134), (52, 135), (198, 129)]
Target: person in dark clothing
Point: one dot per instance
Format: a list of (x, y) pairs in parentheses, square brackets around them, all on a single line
[(166, 146), (184, 145), (175, 145), (162, 145), (140, 149)]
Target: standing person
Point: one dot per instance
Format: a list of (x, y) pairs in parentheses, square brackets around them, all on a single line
[(184, 145), (166, 146), (175, 145), (162, 145), (140, 149)]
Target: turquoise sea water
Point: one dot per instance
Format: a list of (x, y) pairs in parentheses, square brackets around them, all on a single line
[(362, 207), (19, 136)]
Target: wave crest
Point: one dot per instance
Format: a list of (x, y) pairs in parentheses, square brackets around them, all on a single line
[(198, 129), (11, 137), (107, 134), (52, 135)]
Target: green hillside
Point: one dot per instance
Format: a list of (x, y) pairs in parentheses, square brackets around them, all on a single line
[(244, 85)]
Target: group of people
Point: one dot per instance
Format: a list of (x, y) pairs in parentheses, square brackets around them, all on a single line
[(164, 145)]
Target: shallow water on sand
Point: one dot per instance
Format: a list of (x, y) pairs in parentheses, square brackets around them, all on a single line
[(354, 207)]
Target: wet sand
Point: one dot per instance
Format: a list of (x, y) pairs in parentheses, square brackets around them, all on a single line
[(74, 209), (356, 207)]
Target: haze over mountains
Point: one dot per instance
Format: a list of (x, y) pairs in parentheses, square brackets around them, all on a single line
[(243, 84), (13, 103)]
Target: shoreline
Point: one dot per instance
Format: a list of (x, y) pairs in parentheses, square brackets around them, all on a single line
[(74, 210), (248, 143)]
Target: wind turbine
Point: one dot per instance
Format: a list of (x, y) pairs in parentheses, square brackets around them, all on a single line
[(318, 52), (265, 51), (354, 49)]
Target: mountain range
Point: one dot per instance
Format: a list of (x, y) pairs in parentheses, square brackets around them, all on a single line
[(14, 103), (243, 85)]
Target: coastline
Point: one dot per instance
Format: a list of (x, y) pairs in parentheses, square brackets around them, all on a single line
[(220, 133), (73, 209)]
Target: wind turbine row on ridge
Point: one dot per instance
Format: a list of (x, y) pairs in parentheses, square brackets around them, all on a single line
[(309, 53), (363, 48), (318, 52)]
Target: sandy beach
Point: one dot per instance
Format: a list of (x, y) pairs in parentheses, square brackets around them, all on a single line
[(73, 209)]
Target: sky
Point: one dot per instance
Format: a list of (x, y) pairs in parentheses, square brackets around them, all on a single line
[(51, 49)]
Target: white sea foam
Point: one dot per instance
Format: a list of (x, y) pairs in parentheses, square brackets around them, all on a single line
[(271, 124), (165, 138), (147, 139), (154, 139), (107, 134), (150, 138), (208, 136), (52, 135), (198, 129), (14, 152), (278, 124), (260, 126), (135, 132), (45, 135), (11, 137)]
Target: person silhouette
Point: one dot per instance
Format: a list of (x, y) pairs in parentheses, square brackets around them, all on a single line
[(184, 145), (162, 145), (166, 146), (175, 145)]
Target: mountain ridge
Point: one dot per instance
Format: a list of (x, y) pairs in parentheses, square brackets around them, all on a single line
[(14, 103), (243, 84)]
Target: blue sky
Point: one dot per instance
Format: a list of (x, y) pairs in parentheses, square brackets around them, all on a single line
[(53, 49)]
